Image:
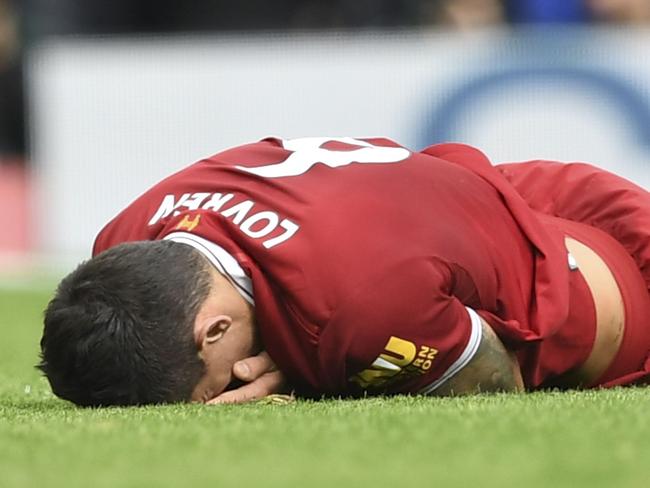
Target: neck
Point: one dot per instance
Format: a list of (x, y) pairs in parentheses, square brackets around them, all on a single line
[(229, 299)]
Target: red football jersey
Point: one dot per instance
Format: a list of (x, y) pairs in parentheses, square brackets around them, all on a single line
[(368, 263)]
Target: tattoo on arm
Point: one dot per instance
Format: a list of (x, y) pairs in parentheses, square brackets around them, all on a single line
[(492, 369)]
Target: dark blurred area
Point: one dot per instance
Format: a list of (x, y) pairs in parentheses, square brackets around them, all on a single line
[(25, 22), (12, 122)]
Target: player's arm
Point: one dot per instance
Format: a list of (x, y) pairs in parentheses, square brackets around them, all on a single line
[(492, 369)]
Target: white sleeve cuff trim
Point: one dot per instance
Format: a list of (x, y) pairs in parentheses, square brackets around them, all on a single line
[(221, 259), (465, 357)]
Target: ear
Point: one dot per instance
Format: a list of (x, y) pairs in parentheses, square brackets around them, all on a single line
[(214, 330)]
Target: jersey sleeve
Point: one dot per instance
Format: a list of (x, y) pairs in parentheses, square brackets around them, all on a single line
[(403, 332)]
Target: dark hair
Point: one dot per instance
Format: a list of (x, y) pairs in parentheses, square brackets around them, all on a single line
[(119, 330)]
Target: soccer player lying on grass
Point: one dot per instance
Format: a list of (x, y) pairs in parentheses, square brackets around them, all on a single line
[(358, 267)]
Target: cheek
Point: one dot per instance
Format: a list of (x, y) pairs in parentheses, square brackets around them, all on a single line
[(215, 379), (200, 394), (252, 345), (218, 375)]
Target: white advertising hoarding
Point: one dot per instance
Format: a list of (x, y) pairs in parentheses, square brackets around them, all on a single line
[(111, 116)]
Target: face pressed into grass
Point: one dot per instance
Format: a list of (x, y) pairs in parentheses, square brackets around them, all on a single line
[(224, 331), (145, 323)]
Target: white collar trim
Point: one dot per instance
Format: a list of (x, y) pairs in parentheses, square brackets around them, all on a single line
[(221, 259)]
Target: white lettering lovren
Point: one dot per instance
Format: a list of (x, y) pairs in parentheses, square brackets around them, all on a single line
[(188, 201), (290, 229), (168, 205), (217, 201), (239, 211), (304, 154), (256, 225), (271, 223)]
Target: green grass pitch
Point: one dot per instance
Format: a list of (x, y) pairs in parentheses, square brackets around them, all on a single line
[(570, 439)]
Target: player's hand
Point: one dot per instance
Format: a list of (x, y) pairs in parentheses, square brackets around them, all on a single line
[(262, 379)]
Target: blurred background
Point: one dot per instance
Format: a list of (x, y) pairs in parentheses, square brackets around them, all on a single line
[(100, 98)]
